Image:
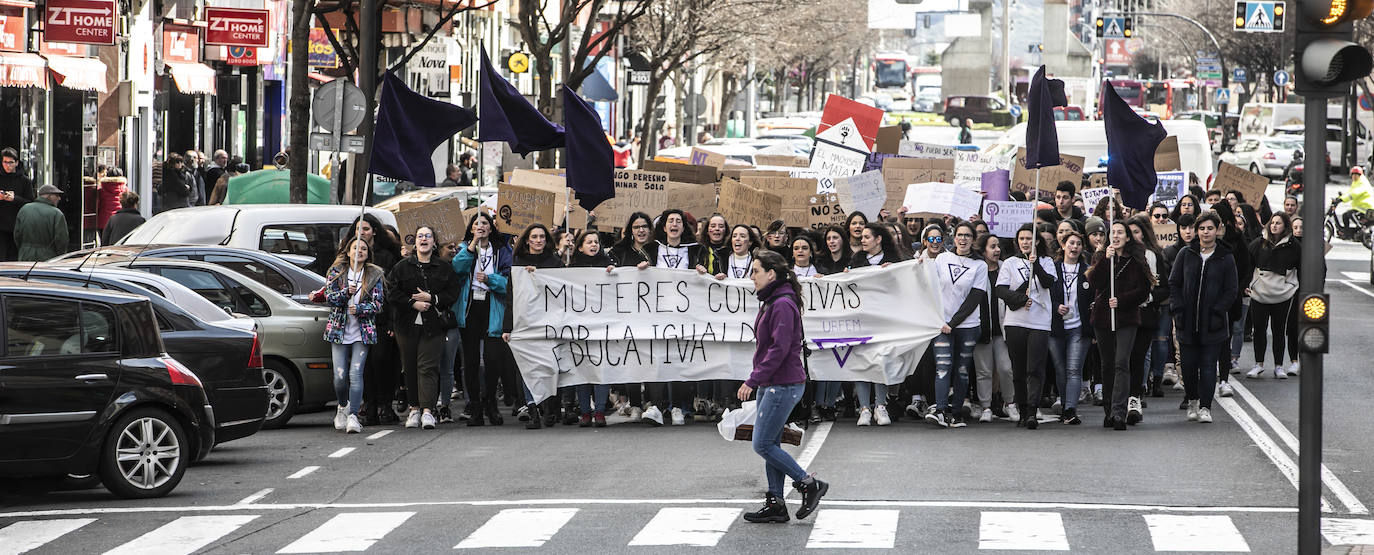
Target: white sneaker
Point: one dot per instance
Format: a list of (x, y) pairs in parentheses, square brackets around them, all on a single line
[(881, 415), (1294, 369), (636, 414), (1235, 366), (353, 425), (986, 416), (914, 409), (865, 417), (1279, 372), (653, 416), (1013, 413), (1256, 372), (1170, 376), (1225, 389), (427, 421), (413, 420), (1204, 415), (1178, 385), (340, 418), (1192, 410), (678, 418)]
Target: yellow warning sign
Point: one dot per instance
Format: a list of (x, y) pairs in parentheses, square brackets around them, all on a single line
[(519, 62)]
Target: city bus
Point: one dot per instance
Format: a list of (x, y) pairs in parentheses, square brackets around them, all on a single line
[(1167, 98), (1130, 90), (892, 76)]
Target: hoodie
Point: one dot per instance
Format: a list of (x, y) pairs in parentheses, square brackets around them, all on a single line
[(778, 345)]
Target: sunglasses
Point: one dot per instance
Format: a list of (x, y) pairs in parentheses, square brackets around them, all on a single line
[(935, 239), (1160, 216)]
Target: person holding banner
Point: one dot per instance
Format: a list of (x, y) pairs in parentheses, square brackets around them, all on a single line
[(963, 285), (743, 241), (1070, 335), (591, 399), (878, 250), (635, 246), (533, 250), (418, 288), (991, 360), (1277, 259), (780, 379), (715, 243), (1121, 281), (670, 252), (836, 257), (1024, 284), (855, 224), (483, 267), (1203, 283), (932, 241)]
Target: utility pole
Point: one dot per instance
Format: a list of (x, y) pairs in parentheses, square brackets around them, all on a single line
[(370, 39), (751, 97), (1006, 49)]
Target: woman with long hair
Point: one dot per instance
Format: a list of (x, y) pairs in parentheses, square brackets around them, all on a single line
[(1070, 333), (1121, 281), (419, 289), (779, 378), (636, 247), (674, 248), (854, 225), (483, 266), (1025, 285), (991, 360), (354, 292), (534, 250), (1203, 282), (1293, 367), (1187, 204), (1150, 335), (920, 385), (379, 372), (877, 250), (743, 241), (776, 239), (591, 398), (1235, 240), (834, 258), (715, 242), (962, 276), (1278, 259)]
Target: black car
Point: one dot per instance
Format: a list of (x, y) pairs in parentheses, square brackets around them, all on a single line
[(225, 356), (284, 275), (86, 388)]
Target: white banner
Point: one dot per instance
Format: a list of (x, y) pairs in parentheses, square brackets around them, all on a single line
[(582, 325)]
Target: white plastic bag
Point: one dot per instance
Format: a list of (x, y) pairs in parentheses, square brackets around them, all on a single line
[(733, 419)]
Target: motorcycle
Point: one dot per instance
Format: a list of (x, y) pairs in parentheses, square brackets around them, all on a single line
[(1293, 176), (1363, 232)]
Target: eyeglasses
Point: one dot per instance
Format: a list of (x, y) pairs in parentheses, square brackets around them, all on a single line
[(640, 226), (963, 236), (424, 235), (935, 239)]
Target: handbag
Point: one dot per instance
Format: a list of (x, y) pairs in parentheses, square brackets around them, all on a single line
[(738, 425), (1271, 287)]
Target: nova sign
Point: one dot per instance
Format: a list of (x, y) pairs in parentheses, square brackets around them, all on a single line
[(80, 21), (236, 27)]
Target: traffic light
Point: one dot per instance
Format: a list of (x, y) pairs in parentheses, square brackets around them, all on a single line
[(1278, 16), (1314, 323), (1101, 23), (1240, 15), (1128, 28), (1327, 58)]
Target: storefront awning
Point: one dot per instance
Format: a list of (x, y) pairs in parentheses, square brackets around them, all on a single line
[(19, 69), (193, 78), (82, 74)]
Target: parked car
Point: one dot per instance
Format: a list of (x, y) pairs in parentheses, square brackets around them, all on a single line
[(1089, 140), (273, 270), (312, 230), (222, 350), (928, 101), (86, 388), (296, 360), (980, 109), (1335, 146), (432, 194), (1268, 156)]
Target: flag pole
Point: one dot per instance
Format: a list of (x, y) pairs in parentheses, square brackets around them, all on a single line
[(1111, 259)]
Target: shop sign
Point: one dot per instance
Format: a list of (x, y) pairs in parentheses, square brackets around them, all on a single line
[(180, 44), (80, 21), (242, 56), (322, 54), (62, 49), (236, 27), (12, 35)]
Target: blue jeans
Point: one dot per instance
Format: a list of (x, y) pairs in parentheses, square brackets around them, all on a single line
[(826, 393), (1067, 351), (953, 359), (586, 394), (864, 391), (348, 374), (1159, 348), (775, 404)]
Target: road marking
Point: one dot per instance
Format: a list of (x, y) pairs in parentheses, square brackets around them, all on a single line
[(1022, 531), (348, 532), (518, 528), (1195, 533), (302, 472), (1357, 276), (341, 453), (699, 527), (849, 529), (380, 435), (813, 444), (1337, 487), (255, 497), (23, 536), (184, 535), (1265, 444), (1346, 531), (1356, 287)]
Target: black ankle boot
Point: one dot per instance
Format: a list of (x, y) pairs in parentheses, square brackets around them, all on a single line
[(494, 415), (535, 422), (1157, 386), (774, 510), (812, 493)]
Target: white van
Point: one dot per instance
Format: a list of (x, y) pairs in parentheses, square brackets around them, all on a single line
[(1089, 140)]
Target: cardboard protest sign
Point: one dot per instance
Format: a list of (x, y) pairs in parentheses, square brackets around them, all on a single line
[(1233, 178), (864, 193), (694, 199), (703, 157), (875, 160), (867, 119), (1169, 187), (889, 139), (793, 193), (1005, 217), (784, 160), (1092, 196), (968, 170), (1166, 234), (840, 150), (1166, 155), (824, 211), (917, 149), (544, 180), (742, 204), (1097, 181), (518, 207), (899, 172), (444, 216), (936, 200), (737, 173), (635, 191), (683, 173), (1025, 180)]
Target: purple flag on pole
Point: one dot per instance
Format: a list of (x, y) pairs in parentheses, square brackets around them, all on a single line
[(591, 164), (1042, 139), (1131, 144), (409, 127), (506, 116)]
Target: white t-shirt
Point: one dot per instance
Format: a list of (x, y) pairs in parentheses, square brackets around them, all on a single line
[(486, 263), (1016, 271), (958, 276), (1206, 255), (739, 266), (804, 271), (875, 259), (1071, 286), (672, 257), (353, 332)]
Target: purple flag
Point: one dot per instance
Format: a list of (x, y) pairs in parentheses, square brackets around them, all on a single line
[(409, 127), (591, 164), (508, 117), (1042, 139), (1131, 144), (997, 185)]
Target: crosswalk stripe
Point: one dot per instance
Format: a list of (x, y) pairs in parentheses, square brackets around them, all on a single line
[(518, 528), (1338, 531), (348, 532), (839, 528), (701, 527), (1022, 530), (28, 534), (183, 536), (1195, 533)]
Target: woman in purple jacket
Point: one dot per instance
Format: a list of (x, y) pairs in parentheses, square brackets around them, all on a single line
[(781, 380)]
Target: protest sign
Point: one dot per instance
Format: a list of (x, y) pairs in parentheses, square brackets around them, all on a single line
[(1092, 196), (518, 207), (683, 173), (935, 200), (824, 211), (445, 216), (968, 170), (794, 193), (694, 199), (1004, 218), (824, 182), (916, 149), (1097, 181), (867, 119), (1025, 180), (1166, 234), (900, 172), (577, 326), (1234, 178), (703, 157), (742, 204), (996, 185), (875, 160), (889, 139), (1166, 155), (840, 150), (1169, 187), (737, 173), (546, 181), (783, 160), (635, 191), (864, 193)]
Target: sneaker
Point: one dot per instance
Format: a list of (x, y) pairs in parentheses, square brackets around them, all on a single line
[(1071, 417), (1225, 389), (1178, 385), (1183, 405), (637, 414), (1057, 406), (536, 420), (774, 510), (353, 426), (915, 410), (815, 415), (1033, 421), (1134, 412), (986, 416), (1204, 415), (1235, 366), (465, 414), (413, 420), (812, 491), (585, 421), (1279, 372), (653, 416), (865, 417), (1192, 410), (445, 415), (1013, 412), (427, 421), (599, 420), (1256, 372), (880, 415), (1294, 368), (523, 413), (1097, 397), (678, 418), (958, 420), (938, 418), (340, 418), (1084, 395), (1170, 377)]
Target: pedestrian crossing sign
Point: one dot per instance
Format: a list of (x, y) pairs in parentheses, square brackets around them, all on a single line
[(1259, 17), (1114, 28)]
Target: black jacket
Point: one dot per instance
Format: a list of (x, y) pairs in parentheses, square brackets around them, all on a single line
[(175, 190), (1240, 252), (627, 255), (23, 194), (1202, 294), (411, 275), (1132, 288), (120, 224), (601, 260), (1085, 299), (989, 314), (825, 266), (548, 259), (1287, 255)]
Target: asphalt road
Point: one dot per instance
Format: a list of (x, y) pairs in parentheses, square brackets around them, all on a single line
[(1166, 485)]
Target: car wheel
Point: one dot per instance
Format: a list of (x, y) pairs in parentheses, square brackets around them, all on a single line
[(1328, 231), (144, 455), (953, 121), (1255, 169), (283, 393)]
